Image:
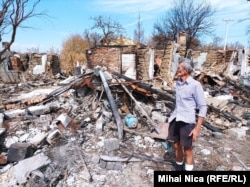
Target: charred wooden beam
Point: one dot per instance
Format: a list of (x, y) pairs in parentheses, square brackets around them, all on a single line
[(139, 89), (84, 82), (55, 93), (246, 115), (147, 87), (212, 128), (245, 98), (230, 117), (79, 81), (113, 105), (239, 103), (244, 88)]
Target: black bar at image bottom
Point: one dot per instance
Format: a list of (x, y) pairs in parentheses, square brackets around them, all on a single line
[(232, 178)]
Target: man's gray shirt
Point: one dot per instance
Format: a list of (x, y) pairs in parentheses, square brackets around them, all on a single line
[(189, 97)]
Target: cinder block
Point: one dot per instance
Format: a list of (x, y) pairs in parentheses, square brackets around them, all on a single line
[(19, 151), (238, 133)]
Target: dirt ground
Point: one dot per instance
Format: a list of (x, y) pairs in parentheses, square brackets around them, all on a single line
[(213, 152)]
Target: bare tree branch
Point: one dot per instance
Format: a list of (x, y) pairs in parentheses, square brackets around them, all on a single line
[(195, 19), (110, 29), (93, 38), (139, 32), (14, 14)]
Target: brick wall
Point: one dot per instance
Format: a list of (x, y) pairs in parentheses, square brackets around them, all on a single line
[(108, 56)]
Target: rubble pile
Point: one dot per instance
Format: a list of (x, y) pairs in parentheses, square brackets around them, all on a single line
[(105, 129)]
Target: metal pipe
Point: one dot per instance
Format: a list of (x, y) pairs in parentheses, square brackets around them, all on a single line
[(113, 105)]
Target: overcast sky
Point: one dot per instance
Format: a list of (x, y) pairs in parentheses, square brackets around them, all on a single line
[(68, 17)]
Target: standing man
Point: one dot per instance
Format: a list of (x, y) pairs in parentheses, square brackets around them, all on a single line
[(184, 127)]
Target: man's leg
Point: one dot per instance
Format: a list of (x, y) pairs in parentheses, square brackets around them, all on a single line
[(189, 159), (186, 142), (174, 137), (179, 156), (178, 152)]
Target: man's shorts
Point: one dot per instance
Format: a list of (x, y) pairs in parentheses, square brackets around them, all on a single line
[(179, 131)]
